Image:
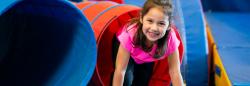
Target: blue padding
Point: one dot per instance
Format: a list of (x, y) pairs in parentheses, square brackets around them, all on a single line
[(178, 20), (48, 42), (197, 50), (231, 35), (226, 5), (136, 3)]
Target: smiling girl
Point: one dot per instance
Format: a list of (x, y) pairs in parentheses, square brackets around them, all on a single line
[(147, 39)]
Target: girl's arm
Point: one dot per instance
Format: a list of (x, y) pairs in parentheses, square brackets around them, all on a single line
[(120, 66), (174, 69)]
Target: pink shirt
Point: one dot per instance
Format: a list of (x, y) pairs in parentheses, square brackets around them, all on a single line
[(125, 36)]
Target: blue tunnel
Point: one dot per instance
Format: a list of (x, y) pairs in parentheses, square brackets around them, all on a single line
[(45, 42)]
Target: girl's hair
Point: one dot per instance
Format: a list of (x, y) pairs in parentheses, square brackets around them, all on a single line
[(139, 39)]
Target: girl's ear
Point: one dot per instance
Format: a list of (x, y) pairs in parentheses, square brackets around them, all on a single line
[(141, 19)]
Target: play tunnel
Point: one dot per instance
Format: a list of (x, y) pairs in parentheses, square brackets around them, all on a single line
[(106, 19), (45, 43)]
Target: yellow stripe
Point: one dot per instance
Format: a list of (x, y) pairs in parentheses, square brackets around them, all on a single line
[(223, 79)]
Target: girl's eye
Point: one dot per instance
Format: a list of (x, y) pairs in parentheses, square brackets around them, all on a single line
[(162, 24), (150, 21)]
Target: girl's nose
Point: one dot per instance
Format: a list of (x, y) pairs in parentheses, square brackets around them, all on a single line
[(154, 27)]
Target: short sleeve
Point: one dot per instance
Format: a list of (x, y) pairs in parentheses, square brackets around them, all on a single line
[(124, 36), (173, 42)]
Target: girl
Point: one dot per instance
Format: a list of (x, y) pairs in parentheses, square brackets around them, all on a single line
[(147, 39)]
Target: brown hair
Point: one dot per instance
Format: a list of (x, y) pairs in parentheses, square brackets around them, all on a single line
[(139, 39)]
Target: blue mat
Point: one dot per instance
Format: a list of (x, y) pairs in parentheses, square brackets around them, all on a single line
[(231, 35)]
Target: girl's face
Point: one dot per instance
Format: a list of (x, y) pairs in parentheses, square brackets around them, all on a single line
[(154, 24)]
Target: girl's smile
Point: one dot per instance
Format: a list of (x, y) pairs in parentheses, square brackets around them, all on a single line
[(153, 34)]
